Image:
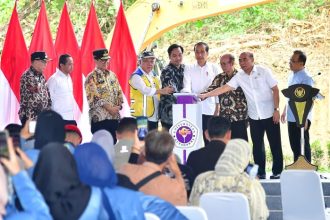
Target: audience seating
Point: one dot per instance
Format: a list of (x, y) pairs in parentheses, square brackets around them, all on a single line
[(193, 212), (302, 195), (225, 206)]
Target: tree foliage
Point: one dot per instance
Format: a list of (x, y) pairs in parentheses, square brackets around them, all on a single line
[(28, 11)]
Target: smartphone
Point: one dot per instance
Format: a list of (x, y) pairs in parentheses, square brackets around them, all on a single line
[(142, 124), (4, 152), (16, 139), (252, 170), (32, 127)]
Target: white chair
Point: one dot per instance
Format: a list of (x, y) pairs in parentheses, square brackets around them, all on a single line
[(225, 206), (302, 195), (151, 216), (193, 212)]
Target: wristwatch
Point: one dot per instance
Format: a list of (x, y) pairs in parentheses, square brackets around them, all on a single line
[(277, 109)]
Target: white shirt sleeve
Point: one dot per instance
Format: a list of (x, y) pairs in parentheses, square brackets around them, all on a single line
[(270, 79), (233, 83), (138, 83), (186, 80), (51, 84)]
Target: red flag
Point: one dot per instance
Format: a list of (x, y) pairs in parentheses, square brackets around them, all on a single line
[(122, 52), (15, 57), (42, 40), (92, 40), (66, 42)]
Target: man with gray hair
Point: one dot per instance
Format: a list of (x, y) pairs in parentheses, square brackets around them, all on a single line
[(150, 177), (232, 105), (262, 94)]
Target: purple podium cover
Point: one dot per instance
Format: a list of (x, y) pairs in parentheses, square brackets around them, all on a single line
[(186, 98)]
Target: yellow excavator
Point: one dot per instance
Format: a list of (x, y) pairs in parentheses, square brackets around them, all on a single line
[(149, 19)]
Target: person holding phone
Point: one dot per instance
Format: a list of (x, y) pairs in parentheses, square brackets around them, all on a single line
[(149, 177), (32, 202), (34, 93), (229, 176), (104, 95), (145, 90)]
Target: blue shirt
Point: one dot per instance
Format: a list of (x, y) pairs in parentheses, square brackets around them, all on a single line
[(31, 200), (300, 77)]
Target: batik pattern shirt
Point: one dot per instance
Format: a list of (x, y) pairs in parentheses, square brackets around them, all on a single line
[(170, 76), (34, 94), (102, 87), (233, 105)]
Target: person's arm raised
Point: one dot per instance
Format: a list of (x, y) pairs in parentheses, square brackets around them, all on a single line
[(216, 92)]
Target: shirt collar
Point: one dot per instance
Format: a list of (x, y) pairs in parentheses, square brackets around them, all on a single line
[(62, 74), (151, 165), (34, 71), (300, 71), (205, 66), (226, 76), (173, 66), (149, 74), (254, 69)]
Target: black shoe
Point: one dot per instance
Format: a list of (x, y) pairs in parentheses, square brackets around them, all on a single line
[(275, 177), (261, 177)]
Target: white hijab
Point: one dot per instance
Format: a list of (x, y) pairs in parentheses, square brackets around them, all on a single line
[(234, 158), (105, 140)]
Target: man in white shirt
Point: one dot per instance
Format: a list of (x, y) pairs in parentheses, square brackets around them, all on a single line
[(262, 94), (145, 87), (61, 89), (198, 77)]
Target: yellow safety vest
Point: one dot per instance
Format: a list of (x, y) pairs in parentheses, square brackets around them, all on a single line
[(137, 97)]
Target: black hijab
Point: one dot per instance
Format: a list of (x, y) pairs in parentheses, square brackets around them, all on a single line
[(49, 128), (56, 177)]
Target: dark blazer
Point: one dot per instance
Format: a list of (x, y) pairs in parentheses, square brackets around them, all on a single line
[(204, 159)]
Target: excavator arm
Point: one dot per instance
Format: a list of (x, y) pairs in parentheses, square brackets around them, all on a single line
[(150, 19)]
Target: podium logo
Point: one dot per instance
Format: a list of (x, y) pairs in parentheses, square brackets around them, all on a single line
[(299, 92), (184, 134)]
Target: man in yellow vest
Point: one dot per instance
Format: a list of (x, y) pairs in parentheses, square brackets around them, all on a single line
[(145, 90)]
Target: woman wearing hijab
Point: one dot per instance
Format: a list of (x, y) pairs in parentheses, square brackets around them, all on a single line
[(100, 172), (32, 202), (229, 176), (57, 179), (49, 128), (105, 140)]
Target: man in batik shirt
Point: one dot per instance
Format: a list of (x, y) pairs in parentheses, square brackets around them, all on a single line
[(232, 105), (104, 95), (172, 75), (34, 93)]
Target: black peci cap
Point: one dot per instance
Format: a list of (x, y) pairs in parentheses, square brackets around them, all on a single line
[(39, 55), (101, 54)]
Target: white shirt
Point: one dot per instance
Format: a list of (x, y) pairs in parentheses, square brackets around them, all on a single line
[(61, 92), (197, 79), (257, 88), (138, 83)]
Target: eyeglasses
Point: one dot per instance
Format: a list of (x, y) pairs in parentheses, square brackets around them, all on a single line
[(294, 61)]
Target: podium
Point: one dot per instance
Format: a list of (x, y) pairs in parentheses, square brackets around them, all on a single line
[(187, 129)]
